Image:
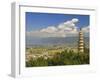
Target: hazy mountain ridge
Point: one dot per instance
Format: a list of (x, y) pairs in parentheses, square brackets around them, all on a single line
[(72, 41)]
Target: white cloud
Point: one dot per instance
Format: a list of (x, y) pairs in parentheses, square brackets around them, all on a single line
[(69, 25), (85, 29), (75, 20), (67, 28), (49, 29)]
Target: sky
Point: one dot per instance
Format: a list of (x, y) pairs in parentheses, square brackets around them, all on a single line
[(54, 24), (36, 21)]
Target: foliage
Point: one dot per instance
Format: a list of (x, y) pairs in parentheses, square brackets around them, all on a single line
[(66, 57)]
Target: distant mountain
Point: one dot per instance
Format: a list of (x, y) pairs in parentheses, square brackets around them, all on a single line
[(69, 41)]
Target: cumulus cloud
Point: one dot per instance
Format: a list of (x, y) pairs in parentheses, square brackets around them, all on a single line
[(75, 20), (67, 28), (69, 25), (49, 29), (85, 29)]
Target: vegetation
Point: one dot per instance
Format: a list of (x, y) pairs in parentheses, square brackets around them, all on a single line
[(66, 57)]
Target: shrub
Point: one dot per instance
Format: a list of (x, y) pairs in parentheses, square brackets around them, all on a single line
[(67, 57)]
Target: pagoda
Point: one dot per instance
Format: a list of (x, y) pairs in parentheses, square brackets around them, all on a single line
[(81, 42)]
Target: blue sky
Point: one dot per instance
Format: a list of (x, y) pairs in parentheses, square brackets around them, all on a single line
[(37, 21)]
